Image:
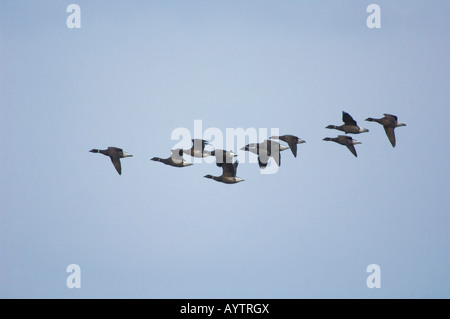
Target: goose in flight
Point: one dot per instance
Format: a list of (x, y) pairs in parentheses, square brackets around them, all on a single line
[(292, 141), (349, 126), (198, 148), (228, 174), (175, 160), (344, 140), (115, 154), (265, 150), (389, 123)]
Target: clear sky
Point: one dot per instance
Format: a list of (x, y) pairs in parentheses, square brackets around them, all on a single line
[(137, 70)]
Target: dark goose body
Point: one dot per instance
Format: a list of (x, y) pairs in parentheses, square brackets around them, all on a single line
[(349, 126), (115, 154), (389, 122), (291, 140), (228, 174), (346, 141), (175, 160)]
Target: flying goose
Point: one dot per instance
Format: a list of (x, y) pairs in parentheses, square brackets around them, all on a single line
[(223, 156), (344, 140), (115, 154), (198, 148), (349, 126), (291, 140), (228, 174), (389, 123), (265, 150), (175, 160)]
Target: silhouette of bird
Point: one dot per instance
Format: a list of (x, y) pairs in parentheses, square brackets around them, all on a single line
[(115, 154), (389, 123), (344, 140), (292, 141), (265, 150), (198, 148), (349, 126), (228, 174), (175, 160)]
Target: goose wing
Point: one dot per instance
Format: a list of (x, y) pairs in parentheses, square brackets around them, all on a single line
[(292, 142), (347, 119), (390, 134), (115, 159), (263, 158), (229, 170), (273, 150), (235, 165), (352, 149)]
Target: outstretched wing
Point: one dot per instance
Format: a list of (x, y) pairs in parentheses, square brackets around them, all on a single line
[(229, 170), (235, 165), (390, 134), (273, 150), (352, 149), (293, 146), (263, 158), (292, 142), (347, 119), (115, 159)]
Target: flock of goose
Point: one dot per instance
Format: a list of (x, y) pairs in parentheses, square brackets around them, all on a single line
[(265, 150)]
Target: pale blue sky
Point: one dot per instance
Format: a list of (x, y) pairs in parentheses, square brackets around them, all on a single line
[(137, 70)]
